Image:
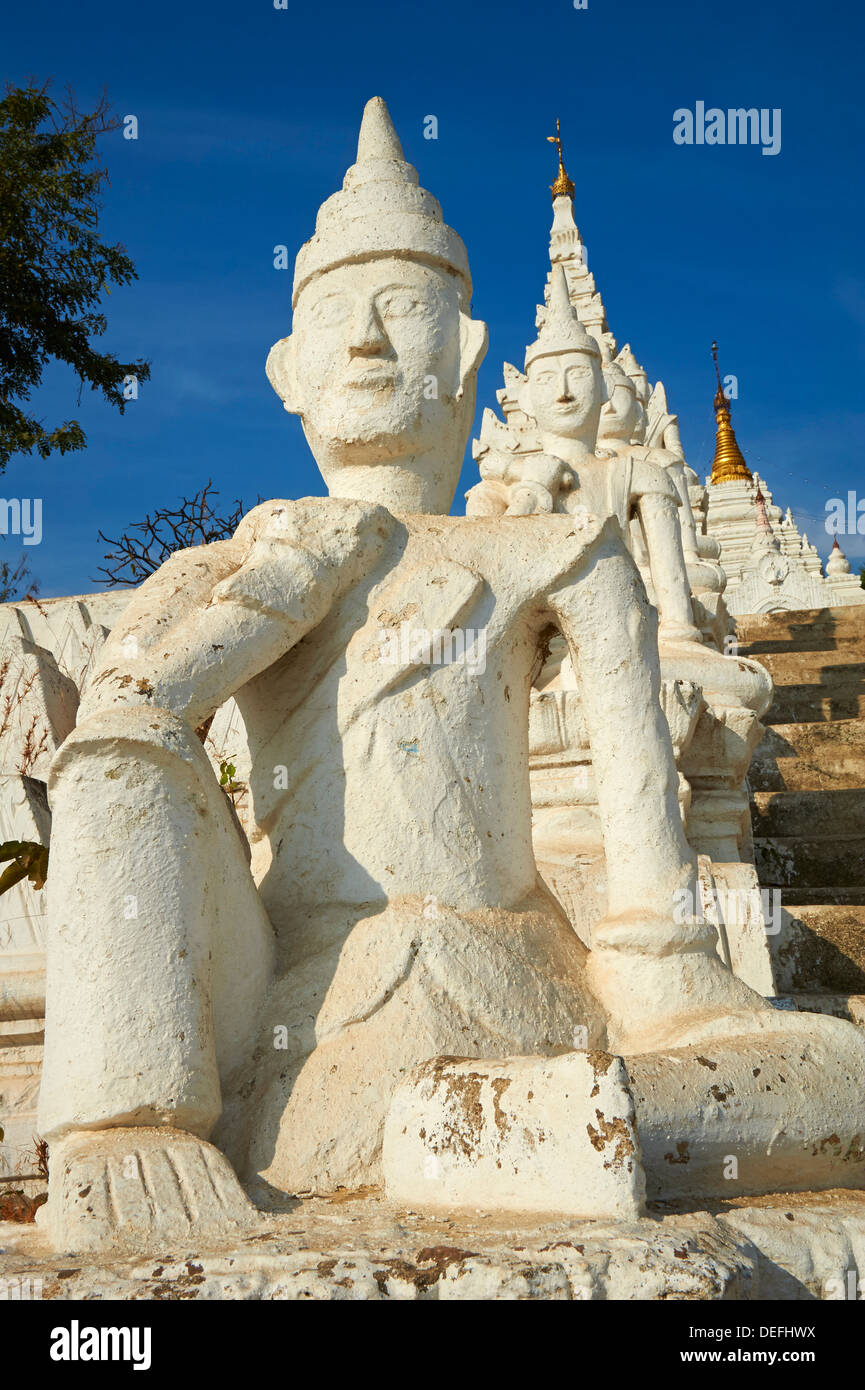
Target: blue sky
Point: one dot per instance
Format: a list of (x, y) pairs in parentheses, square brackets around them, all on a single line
[(248, 118)]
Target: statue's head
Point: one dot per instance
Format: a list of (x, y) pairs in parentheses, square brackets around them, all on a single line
[(382, 361), (564, 389), (624, 416), (638, 375)]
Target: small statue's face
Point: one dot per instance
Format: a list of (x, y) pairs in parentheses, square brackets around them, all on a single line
[(377, 357), (623, 416), (565, 394)]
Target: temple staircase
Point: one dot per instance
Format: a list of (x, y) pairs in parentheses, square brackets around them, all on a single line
[(807, 782)]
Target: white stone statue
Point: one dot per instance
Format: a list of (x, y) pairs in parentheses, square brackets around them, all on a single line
[(391, 911), (275, 996)]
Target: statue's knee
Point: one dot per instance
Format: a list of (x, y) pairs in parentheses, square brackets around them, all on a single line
[(132, 747)]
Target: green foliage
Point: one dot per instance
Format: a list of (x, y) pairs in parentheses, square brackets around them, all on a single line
[(862, 576), (53, 265), (29, 860), (227, 773)]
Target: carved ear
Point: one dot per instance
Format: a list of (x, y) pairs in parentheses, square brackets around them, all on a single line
[(473, 348), (524, 400), (281, 374)]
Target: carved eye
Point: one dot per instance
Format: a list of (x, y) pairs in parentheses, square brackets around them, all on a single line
[(545, 378), (333, 309), (397, 304)]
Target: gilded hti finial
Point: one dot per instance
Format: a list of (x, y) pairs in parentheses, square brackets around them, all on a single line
[(563, 185), (728, 465)]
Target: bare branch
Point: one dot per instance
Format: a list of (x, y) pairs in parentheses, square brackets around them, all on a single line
[(195, 522)]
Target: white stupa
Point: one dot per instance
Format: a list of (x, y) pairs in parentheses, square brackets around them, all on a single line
[(770, 567)]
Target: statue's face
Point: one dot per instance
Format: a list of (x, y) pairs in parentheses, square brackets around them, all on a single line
[(565, 394), (623, 416), (377, 358)]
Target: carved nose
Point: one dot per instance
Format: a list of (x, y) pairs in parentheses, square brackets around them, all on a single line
[(565, 397), (368, 336)]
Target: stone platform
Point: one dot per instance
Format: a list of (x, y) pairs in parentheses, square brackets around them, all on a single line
[(796, 1247)]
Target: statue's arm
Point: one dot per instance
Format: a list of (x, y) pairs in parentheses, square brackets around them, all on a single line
[(203, 657), (657, 504), (243, 608)]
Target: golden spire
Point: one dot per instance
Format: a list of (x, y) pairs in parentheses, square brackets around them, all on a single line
[(563, 185), (728, 465)]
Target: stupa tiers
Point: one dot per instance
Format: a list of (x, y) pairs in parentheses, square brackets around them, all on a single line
[(769, 566), (646, 423), (358, 982)]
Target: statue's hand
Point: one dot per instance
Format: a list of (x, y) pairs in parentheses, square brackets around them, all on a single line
[(301, 556), (346, 537), (537, 483), (487, 498)]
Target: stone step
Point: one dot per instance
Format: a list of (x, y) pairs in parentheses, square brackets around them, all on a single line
[(814, 814), (821, 949), (821, 917), (810, 668), (813, 756), (835, 895), (817, 704), (791, 861), (820, 650), (818, 629)]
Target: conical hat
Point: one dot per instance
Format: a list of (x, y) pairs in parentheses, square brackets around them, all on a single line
[(629, 364), (561, 330), (379, 211)]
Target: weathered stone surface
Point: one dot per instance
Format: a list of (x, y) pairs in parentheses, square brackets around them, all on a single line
[(804, 757), (140, 1188), (808, 1247), (824, 630), (793, 861), (357, 1247), (524, 1133), (811, 814), (390, 910), (777, 1103), (20, 1067), (847, 1006)]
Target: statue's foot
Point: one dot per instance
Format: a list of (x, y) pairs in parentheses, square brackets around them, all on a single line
[(657, 1000), (141, 1189)]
